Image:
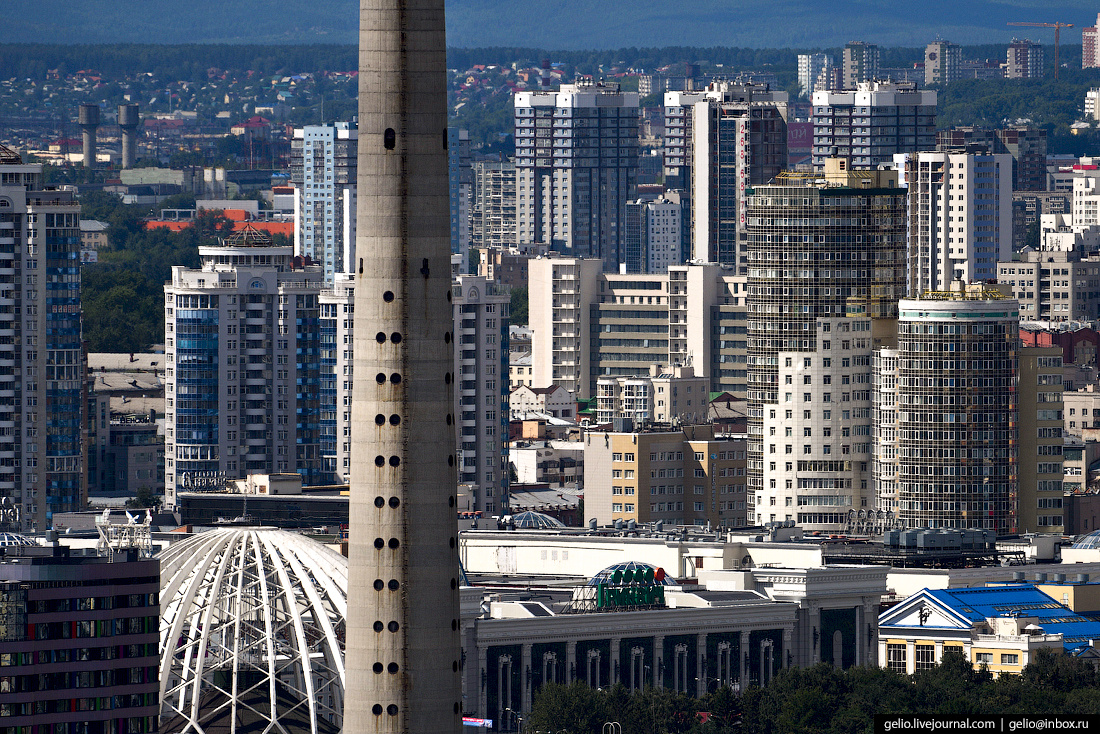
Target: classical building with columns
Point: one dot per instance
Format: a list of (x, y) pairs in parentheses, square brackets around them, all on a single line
[(723, 628)]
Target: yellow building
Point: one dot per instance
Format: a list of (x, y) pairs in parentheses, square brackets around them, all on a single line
[(681, 476), (998, 627)]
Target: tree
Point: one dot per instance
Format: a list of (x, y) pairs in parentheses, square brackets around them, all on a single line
[(517, 311), (144, 497)]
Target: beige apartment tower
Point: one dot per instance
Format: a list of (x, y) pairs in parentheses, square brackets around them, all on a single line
[(403, 650)]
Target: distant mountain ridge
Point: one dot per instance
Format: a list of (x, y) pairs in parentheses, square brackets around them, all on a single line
[(552, 24)]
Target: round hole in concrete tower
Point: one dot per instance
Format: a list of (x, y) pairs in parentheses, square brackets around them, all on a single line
[(380, 378), (450, 461), (449, 419), (394, 584), (378, 626), (454, 584), (392, 709), (447, 337), (377, 709), (380, 337), (379, 543), (451, 501), (388, 296), (395, 460), (389, 138), (379, 460), (378, 667), (454, 625), (379, 584), (394, 502), (395, 337), (454, 666), (395, 543), (379, 501), (392, 667), (395, 378), (395, 420), (394, 626), (379, 420)]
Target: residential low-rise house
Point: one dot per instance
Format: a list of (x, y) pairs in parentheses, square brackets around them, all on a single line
[(554, 401), (998, 627)]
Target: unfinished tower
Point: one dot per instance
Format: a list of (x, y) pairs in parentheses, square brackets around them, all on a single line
[(128, 121), (88, 120), (403, 647)]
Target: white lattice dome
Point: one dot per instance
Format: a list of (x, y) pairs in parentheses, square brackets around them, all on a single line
[(252, 632)]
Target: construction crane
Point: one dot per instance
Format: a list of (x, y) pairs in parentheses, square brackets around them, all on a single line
[(1057, 32)]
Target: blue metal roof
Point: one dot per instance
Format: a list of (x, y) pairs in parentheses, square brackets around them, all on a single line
[(1022, 600)]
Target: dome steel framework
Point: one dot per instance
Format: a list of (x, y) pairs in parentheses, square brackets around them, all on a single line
[(252, 628)]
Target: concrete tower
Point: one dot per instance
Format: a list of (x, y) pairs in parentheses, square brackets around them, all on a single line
[(403, 645), (128, 121), (89, 121)]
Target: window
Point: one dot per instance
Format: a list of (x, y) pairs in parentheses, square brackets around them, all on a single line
[(895, 658), (924, 657), (983, 657), (629, 457), (1010, 658), (616, 457)]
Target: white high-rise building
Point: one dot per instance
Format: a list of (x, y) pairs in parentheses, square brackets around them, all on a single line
[(337, 321), (960, 217), (323, 169), (813, 69), (576, 169), (42, 370), (872, 121), (481, 371), (242, 375)]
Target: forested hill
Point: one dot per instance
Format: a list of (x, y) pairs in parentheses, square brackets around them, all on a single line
[(559, 24)]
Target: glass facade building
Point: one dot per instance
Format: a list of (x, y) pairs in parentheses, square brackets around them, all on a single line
[(42, 367)]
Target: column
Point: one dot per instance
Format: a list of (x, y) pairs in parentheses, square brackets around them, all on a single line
[(815, 632), (525, 678), (786, 659), (570, 661), (658, 661), (870, 619), (482, 677), (742, 656), (700, 665), (861, 639), (616, 643), (910, 656)]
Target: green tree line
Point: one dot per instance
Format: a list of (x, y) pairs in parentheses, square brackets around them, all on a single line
[(825, 700)]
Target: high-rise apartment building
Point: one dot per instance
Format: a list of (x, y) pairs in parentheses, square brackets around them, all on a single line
[(678, 476), (81, 641), (813, 246), (946, 421), (589, 324), (814, 72), (960, 217), (493, 205), (323, 169), (1025, 60), (243, 367), (481, 371), (655, 237), (1090, 50), (872, 122), (576, 168), (1041, 440), (42, 367), (942, 62), (337, 316), (459, 190), (860, 63), (719, 142), (1027, 145), (1054, 284)]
